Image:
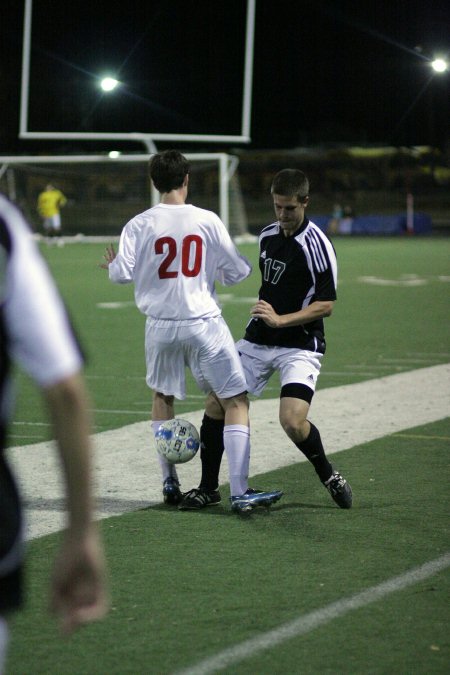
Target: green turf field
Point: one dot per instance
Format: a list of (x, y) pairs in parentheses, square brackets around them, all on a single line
[(397, 319), (186, 586)]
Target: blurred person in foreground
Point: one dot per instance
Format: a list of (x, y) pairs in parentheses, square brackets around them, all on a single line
[(174, 253), (285, 334), (35, 333)]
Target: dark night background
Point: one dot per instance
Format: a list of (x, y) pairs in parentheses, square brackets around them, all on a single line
[(325, 72)]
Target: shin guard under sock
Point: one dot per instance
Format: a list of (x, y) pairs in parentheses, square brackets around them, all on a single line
[(237, 447), (212, 448), (313, 450)]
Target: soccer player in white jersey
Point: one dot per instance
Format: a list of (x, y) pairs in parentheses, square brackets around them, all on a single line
[(174, 253), (35, 333), (285, 334)]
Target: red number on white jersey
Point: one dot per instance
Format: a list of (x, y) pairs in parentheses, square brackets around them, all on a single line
[(192, 244)]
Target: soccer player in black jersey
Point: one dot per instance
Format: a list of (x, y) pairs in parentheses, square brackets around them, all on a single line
[(285, 334)]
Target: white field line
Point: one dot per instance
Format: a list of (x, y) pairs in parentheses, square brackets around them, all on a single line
[(444, 355), (127, 471), (308, 622)]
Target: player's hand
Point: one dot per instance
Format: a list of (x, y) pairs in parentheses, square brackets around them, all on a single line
[(78, 590), (109, 256), (263, 310)]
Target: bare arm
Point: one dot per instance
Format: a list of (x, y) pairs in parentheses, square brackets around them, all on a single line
[(77, 587), (316, 310)]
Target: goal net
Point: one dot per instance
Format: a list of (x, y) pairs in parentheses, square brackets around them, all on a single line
[(103, 193)]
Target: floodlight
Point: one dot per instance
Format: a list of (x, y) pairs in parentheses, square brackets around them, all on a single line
[(109, 83), (439, 65)]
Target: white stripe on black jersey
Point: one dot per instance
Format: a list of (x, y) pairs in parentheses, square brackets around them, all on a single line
[(295, 272)]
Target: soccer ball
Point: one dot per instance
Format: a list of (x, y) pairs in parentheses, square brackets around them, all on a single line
[(177, 441)]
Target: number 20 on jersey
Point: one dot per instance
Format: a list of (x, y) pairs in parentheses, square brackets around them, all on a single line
[(191, 256)]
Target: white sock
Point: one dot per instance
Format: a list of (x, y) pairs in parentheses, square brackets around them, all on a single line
[(167, 470), (236, 439)]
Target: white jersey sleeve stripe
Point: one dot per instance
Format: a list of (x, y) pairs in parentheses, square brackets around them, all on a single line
[(316, 252)]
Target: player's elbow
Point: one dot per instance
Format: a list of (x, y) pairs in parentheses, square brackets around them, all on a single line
[(328, 308), (118, 276)]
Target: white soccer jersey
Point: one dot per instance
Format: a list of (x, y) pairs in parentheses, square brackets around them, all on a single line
[(174, 254)]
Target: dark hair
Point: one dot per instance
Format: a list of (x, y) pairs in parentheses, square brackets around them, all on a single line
[(168, 170), (290, 183)]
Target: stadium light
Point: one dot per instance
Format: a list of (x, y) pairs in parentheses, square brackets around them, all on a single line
[(109, 83), (439, 65)]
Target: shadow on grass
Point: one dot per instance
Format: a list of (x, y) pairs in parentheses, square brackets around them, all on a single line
[(111, 505)]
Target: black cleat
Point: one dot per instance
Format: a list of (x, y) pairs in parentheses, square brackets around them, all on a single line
[(171, 491), (197, 499), (340, 490)]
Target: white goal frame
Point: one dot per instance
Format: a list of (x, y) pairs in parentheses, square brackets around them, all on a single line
[(147, 138), (227, 166)]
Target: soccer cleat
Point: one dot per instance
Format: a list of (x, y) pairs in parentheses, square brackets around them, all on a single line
[(197, 499), (251, 499), (171, 491), (340, 490)]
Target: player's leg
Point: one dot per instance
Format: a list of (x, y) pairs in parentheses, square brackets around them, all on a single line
[(298, 374), (56, 225), (212, 429), (294, 407), (305, 435), (219, 366), (236, 438), (211, 452), (47, 226), (211, 443), (215, 365), (165, 373), (236, 441), (256, 374), (162, 410)]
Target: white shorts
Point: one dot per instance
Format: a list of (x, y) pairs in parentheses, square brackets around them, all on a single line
[(295, 366), (207, 348), (52, 223)]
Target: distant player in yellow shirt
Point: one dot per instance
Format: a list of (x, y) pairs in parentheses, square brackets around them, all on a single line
[(50, 201)]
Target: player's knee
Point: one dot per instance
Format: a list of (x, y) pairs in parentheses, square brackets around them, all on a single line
[(288, 425), (295, 426), (168, 400), (238, 401)]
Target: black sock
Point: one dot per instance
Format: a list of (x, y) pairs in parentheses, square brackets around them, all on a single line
[(313, 450), (212, 449)]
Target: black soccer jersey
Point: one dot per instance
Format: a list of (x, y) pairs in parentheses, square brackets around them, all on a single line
[(295, 272)]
